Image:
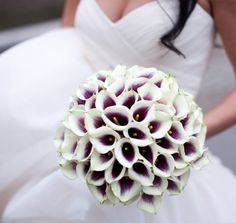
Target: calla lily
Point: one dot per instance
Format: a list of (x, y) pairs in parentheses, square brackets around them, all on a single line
[(202, 161), (201, 137), (169, 89), (148, 154), (125, 189), (183, 178), (76, 123), (146, 72), (111, 196), (176, 133), (164, 165), (159, 186), (168, 110), (149, 203), (190, 150), (174, 187), (157, 79), (134, 69), (82, 170), (160, 125), (104, 139), (99, 192), (135, 83), (59, 137), (104, 100), (138, 134), (75, 103), (96, 178), (90, 103), (119, 71), (181, 171), (126, 152), (117, 87), (101, 162), (128, 98), (87, 90), (165, 145), (150, 92), (117, 117), (69, 169), (84, 148), (181, 106), (177, 184), (141, 173), (114, 172), (142, 111), (69, 145), (93, 120), (179, 162)]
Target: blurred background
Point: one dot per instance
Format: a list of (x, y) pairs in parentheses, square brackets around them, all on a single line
[(24, 19)]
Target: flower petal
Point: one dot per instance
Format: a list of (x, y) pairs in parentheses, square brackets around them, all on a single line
[(150, 92), (90, 103), (142, 111), (126, 152), (117, 117), (202, 161), (84, 148), (99, 192), (181, 106), (138, 134), (159, 186), (101, 162), (190, 150), (177, 134), (117, 87), (69, 145), (69, 169), (149, 203), (93, 120), (87, 90), (179, 162), (141, 173), (125, 189), (164, 165), (174, 187), (82, 170), (111, 196), (160, 125), (104, 139), (128, 98), (96, 178), (76, 123), (148, 154), (114, 172), (135, 83), (164, 145), (104, 100)]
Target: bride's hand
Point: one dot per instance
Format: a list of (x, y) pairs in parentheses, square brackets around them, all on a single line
[(69, 13)]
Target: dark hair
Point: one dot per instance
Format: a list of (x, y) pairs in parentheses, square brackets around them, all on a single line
[(185, 9)]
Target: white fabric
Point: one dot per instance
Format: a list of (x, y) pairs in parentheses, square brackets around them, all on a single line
[(38, 76)]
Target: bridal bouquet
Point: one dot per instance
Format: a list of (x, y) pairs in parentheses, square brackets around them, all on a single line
[(131, 134)]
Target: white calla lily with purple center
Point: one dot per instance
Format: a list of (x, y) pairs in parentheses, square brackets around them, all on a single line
[(131, 134)]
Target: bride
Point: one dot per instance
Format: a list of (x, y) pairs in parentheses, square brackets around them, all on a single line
[(38, 76)]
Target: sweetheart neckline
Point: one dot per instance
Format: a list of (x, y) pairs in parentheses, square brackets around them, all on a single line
[(137, 9)]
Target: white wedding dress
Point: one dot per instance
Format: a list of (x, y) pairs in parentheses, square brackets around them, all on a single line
[(38, 76)]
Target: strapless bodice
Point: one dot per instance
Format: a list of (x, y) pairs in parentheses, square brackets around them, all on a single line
[(135, 39)]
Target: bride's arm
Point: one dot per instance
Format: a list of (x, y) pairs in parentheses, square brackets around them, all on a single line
[(223, 115), (69, 13)]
